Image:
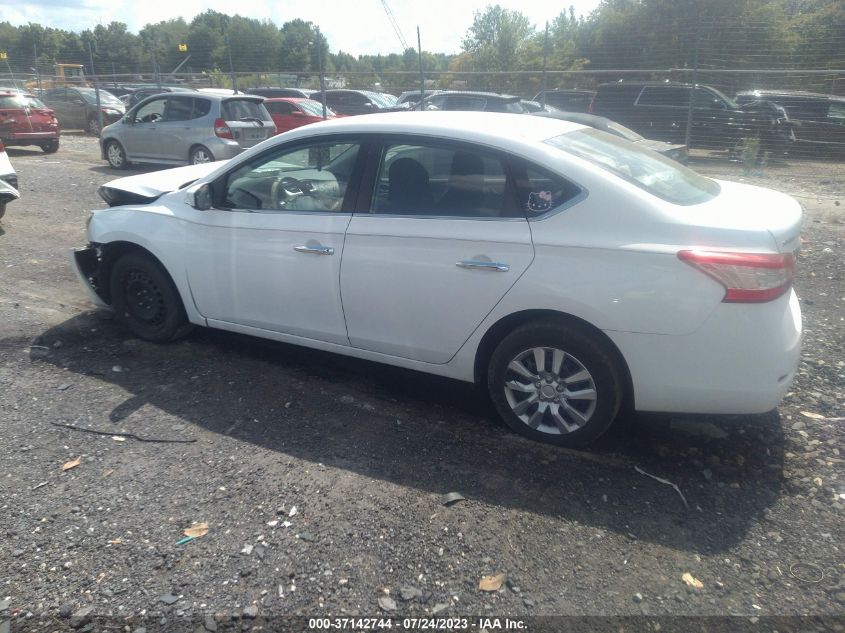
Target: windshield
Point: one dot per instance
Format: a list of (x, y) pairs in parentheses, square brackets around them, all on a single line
[(731, 103), (382, 100), (314, 108), (106, 98), (20, 101), (660, 176)]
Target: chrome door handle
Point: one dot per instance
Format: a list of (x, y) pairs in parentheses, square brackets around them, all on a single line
[(314, 250), (480, 265)]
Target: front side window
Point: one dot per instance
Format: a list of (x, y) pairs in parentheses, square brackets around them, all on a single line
[(442, 180), (150, 112), (653, 172), (311, 177)]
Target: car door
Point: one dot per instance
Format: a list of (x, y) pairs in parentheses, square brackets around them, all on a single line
[(173, 131), (57, 99), (140, 134), (439, 245), (269, 255)]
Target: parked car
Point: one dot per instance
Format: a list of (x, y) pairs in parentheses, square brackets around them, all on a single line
[(275, 93), (8, 181), (413, 97), (180, 128), (571, 100), (819, 118), (670, 150), (568, 271), (76, 108), (660, 111), (25, 120), (480, 102), (291, 113), (137, 95), (351, 102)]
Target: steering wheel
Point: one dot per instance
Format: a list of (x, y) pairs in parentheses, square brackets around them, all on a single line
[(285, 189)]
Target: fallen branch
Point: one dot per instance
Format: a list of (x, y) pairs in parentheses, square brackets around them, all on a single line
[(664, 481), (129, 435)]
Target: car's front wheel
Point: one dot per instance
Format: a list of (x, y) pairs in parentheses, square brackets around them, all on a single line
[(555, 382), (50, 147), (146, 300), (200, 155), (116, 155)]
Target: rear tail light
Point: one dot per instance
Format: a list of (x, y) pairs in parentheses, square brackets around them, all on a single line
[(590, 108), (222, 130), (747, 277)]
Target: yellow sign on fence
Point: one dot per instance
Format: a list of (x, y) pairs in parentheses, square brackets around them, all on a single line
[(183, 48), (4, 55)]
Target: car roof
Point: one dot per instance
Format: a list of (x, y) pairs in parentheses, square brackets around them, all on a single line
[(478, 93), (491, 128), (790, 93), (288, 99)]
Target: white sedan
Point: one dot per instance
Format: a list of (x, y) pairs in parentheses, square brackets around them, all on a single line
[(8, 181), (570, 272)]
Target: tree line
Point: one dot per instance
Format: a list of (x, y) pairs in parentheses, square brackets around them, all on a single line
[(619, 34)]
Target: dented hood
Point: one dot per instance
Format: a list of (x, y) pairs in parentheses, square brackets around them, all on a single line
[(144, 188)]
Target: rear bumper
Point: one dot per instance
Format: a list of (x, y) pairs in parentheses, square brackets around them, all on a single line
[(86, 263), (742, 360)]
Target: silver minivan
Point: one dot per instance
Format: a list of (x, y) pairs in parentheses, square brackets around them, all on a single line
[(179, 129)]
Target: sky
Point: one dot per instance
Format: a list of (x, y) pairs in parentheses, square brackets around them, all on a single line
[(353, 26)]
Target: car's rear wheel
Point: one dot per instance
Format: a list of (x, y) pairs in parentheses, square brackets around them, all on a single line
[(555, 382), (93, 126), (50, 147), (116, 155), (200, 155), (146, 300)]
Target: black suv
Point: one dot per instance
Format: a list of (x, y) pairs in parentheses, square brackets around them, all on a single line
[(819, 118), (659, 110)]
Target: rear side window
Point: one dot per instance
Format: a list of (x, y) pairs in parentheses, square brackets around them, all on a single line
[(442, 180), (538, 192), (664, 96), (244, 110), (653, 172)]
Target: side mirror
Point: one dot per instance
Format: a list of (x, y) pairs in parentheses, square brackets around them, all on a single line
[(199, 196)]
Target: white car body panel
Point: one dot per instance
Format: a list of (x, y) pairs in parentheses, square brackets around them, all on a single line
[(391, 292)]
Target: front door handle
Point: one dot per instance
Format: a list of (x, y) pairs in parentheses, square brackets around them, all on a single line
[(314, 250), (475, 264)]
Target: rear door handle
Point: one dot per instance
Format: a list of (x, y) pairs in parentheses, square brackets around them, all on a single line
[(475, 264), (314, 250)]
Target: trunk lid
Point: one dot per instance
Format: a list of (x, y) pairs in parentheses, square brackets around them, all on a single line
[(744, 207)]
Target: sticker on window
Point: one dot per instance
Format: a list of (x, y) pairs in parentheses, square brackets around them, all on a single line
[(539, 201)]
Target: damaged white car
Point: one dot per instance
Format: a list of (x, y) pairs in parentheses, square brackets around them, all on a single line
[(571, 273), (8, 181)]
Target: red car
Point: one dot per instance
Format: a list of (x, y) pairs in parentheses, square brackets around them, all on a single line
[(24, 120), (289, 112)]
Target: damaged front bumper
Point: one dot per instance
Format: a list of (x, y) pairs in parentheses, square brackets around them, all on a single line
[(86, 263)]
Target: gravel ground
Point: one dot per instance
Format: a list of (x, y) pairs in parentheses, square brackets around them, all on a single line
[(320, 477)]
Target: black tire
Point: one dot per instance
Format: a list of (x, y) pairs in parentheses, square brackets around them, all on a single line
[(200, 155), (146, 300), (583, 417), (50, 147), (2, 209), (116, 155), (93, 126)]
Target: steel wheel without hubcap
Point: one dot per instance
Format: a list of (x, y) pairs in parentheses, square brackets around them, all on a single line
[(550, 391), (144, 299)]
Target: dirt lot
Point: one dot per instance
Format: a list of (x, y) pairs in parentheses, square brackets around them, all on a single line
[(321, 477)]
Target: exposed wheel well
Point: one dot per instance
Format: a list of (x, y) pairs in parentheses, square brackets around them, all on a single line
[(109, 254), (507, 324)]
